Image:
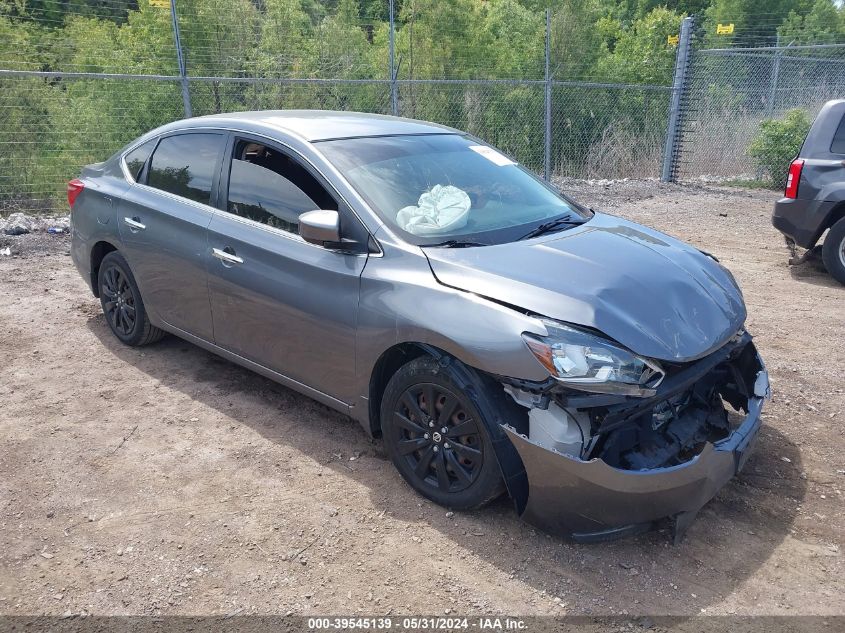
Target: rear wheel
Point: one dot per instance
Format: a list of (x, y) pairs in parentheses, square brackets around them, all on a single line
[(833, 251), (122, 303), (437, 438)]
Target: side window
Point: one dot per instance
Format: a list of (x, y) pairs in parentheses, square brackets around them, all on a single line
[(185, 164), (838, 145), (269, 187), (137, 158)]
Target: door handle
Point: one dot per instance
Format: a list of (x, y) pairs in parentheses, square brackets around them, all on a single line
[(133, 224), (228, 258)]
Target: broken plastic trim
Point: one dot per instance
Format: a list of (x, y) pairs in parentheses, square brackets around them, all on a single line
[(674, 385), (591, 500)]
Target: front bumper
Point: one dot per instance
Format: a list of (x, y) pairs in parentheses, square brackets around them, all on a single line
[(590, 500)]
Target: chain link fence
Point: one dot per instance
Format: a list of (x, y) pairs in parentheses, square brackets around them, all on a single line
[(608, 130), (730, 92), (52, 124), (78, 81)]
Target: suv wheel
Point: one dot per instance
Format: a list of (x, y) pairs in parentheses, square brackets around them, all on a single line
[(833, 251), (436, 436), (122, 303)]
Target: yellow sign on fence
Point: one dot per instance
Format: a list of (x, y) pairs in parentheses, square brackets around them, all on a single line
[(673, 39), (725, 29), (160, 4)]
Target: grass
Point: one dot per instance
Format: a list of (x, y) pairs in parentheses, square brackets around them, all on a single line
[(749, 183)]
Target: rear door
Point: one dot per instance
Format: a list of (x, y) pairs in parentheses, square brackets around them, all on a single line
[(163, 223), (277, 300)]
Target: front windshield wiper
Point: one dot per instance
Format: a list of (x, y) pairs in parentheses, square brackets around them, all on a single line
[(545, 227), (453, 244)]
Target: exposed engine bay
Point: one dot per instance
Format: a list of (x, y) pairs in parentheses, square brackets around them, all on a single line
[(689, 411), (673, 432)]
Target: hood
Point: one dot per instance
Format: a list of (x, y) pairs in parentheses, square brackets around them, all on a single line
[(654, 294)]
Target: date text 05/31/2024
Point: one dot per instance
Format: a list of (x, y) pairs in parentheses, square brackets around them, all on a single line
[(416, 623)]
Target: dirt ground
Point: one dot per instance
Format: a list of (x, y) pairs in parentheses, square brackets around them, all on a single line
[(169, 481)]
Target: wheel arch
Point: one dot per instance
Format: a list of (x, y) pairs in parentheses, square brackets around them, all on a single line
[(98, 252), (389, 363), (385, 367), (499, 409), (836, 213)]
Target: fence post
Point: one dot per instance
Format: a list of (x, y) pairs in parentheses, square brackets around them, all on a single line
[(183, 74), (394, 91), (547, 84), (679, 86), (773, 91), (773, 85)]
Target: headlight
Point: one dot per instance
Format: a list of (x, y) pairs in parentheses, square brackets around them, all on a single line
[(588, 362)]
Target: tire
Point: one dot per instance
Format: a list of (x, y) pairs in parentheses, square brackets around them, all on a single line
[(457, 468), (122, 304), (833, 251)]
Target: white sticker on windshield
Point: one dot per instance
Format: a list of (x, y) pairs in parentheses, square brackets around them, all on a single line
[(492, 155)]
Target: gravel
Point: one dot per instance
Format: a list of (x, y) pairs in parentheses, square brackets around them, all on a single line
[(169, 481)]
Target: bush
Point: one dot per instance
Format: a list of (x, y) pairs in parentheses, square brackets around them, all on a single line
[(778, 142)]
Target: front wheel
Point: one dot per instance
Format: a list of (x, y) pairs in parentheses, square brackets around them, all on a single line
[(833, 251), (436, 437)]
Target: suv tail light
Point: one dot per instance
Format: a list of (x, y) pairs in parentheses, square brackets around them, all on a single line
[(793, 178), (74, 188)]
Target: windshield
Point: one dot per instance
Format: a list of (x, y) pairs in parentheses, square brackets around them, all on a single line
[(448, 188)]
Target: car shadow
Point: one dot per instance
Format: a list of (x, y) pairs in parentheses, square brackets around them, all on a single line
[(732, 537), (812, 270)]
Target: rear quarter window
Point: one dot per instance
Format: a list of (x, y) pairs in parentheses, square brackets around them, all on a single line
[(137, 158), (838, 145)]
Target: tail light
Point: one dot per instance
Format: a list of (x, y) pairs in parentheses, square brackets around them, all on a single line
[(793, 178), (74, 188)]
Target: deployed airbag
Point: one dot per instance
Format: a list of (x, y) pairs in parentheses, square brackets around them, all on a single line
[(442, 209)]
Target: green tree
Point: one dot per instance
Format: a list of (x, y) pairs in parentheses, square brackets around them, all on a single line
[(576, 42), (436, 40), (824, 23), (626, 11), (755, 21), (24, 102), (778, 142), (340, 47), (511, 38), (641, 53)]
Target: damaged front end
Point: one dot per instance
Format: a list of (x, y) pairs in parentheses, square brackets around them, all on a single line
[(604, 465)]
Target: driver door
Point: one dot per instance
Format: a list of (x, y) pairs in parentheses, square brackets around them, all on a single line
[(277, 300)]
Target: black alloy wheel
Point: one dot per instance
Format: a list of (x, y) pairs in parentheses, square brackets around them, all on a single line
[(122, 303), (438, 439), (434, 432), (119, 301)]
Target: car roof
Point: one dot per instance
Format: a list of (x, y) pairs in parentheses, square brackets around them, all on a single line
[(317, 125)]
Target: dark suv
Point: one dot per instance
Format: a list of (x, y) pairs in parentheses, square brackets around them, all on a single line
[(814, 199)]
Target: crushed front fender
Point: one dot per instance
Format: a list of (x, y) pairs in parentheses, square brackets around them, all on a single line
[(591, 500)]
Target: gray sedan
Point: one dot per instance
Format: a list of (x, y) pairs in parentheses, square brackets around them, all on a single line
[(497, 335)]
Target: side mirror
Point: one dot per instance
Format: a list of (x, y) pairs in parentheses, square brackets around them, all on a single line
[(320, 227)]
